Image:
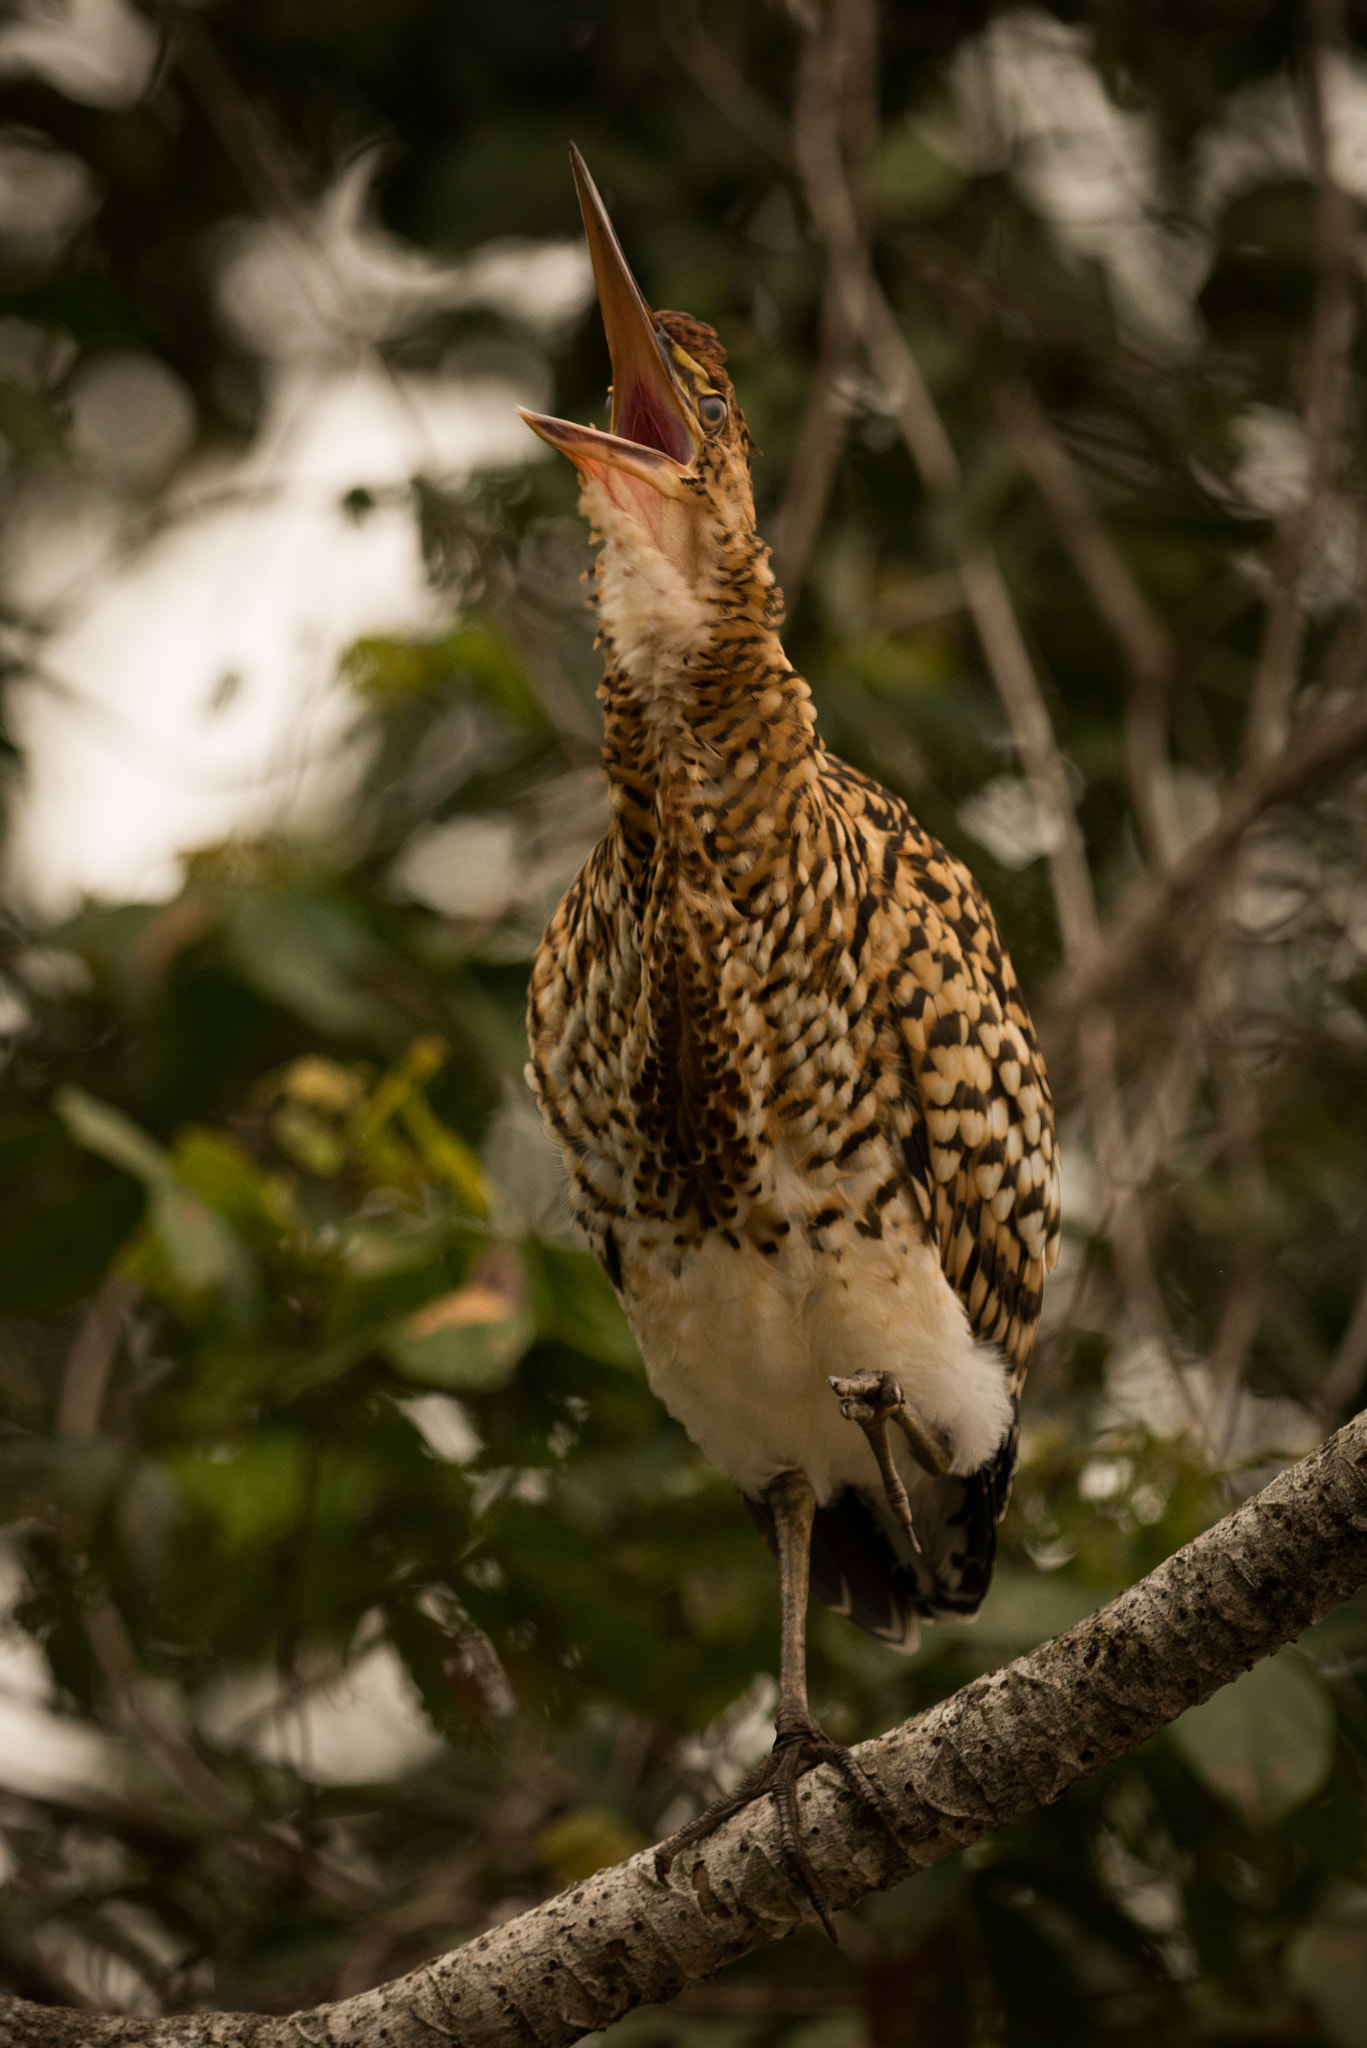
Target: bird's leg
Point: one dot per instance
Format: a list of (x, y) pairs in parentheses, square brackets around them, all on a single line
[(873, 1400), (798, 1742)]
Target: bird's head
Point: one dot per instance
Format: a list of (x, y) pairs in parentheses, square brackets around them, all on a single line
[(668, 488)]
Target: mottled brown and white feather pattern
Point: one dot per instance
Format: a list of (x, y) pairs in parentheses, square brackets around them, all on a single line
[(840, 987), (773, 1023)]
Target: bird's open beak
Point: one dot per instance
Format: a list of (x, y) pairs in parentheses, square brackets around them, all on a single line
[(652, 435)]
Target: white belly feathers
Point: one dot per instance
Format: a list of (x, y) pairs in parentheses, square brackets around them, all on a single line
[(738, 1345)]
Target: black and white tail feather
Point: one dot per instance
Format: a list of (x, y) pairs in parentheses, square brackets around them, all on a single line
[(864, 1567)]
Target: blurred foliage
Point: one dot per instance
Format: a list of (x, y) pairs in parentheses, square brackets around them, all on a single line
[(300, 1380)]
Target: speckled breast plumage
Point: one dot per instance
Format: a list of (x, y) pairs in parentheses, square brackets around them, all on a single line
[(805, 1120)]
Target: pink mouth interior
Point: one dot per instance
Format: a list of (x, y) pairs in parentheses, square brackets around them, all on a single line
[(646, 420), (629, 494)]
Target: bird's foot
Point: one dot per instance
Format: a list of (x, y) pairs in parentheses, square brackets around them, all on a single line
[(874, 1400), (796, 1749)]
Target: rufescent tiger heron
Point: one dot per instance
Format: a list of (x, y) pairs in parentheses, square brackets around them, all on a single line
[(774, 1029)]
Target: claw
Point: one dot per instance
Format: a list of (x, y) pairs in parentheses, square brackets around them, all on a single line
[(931, 1448), (875, 1428), (795, 1750), (874, 1400), (867, 1395)]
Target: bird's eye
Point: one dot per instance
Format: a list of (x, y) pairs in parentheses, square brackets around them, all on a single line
[(712, 411)]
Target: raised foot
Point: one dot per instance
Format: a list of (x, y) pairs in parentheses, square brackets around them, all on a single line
[(873, 1400), (796, 1749)]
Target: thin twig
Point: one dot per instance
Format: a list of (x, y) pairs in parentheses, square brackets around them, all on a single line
[(820, 444), (1022, 699), (830, 52), (1240, 1112), (825, 420), (85, 1384), (1122, 1210), (899, 373), (1326, 390), (145, 1715), (1345, 658), (1143, 638), (91, 1359), (1341, 1383), (1180, 1059), (247, 141), (825, 60), (1333, 743), (697, 52)]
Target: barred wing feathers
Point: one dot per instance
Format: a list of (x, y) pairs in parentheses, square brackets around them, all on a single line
[(978, 1140)]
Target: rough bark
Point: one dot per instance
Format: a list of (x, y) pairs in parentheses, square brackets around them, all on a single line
[(1002, 1746)]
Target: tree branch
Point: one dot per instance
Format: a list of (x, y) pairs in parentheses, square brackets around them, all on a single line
[(1334, 741), (1138, 630), (697, 52), (820, 445), (833, 45), (1326, 380), (84, 1386), (1003, 1746), (1347, 1366), (91, 1359)]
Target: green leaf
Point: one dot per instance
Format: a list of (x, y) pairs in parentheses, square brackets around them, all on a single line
[(312, 956), (230, 1181), (110, 1134), (204, 1252), (475, 654), (384, 667), (469, 1340), (574, 1302), (255, 1495), (1330, 1965), (480, 653), (1265, 1743), (447, 1154)]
